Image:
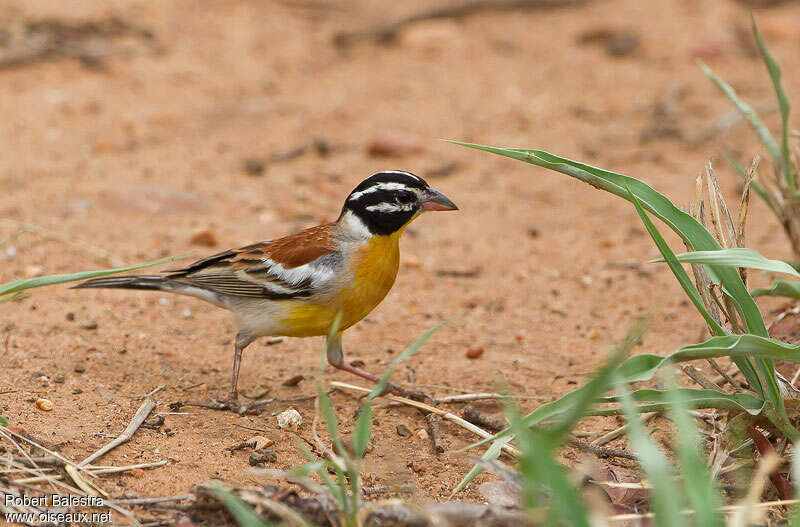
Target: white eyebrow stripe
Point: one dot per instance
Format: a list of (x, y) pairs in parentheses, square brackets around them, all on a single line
[(376, 188), (388, 207)]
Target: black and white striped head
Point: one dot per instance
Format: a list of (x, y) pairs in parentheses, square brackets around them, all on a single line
[(386, 201)]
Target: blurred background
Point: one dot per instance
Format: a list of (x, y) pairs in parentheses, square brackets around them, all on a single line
[(133, 130)]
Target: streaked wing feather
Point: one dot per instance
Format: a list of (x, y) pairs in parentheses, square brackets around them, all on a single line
[(295, 266)]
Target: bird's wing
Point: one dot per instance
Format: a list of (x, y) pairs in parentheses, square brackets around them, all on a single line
[(295, 266)]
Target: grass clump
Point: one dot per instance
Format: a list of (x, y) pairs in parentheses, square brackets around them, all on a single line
[(779, 187)]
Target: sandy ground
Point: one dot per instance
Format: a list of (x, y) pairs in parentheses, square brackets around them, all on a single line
[(125, 162)]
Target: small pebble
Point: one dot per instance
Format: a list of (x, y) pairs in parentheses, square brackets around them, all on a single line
[(59, 379), (79, 368), (474, 352), (291, 419), (261, 457), (44, 405), (89, 325), (76, 391), (205, 238), (254, 166), (402, 430), (70, 316), (394, 144), (293, 381), (422, 434)]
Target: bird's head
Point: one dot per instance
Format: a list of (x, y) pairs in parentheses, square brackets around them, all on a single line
[(387, 201)]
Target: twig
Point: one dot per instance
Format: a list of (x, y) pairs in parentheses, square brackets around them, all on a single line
[(602, 451), (694, 374), (724, 375), (150, 501), (153, 391), (441, 413), (610, 436), (112, 470), (436, 435), (251, 428), (402, 489), (467, 397), (136, 422), (387, 32), (476, 417)]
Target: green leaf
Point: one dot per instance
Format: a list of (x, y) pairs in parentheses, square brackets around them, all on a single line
[(241, 512), (3, 421), (696, 398), (736, 257), (667, 502), (762, 377), (363, 425), (14, 236), (541, 473), (783, 104), (643, 367), (698, 238), (749, 114), (40, 281), (16, 297), (676, 268), (780, 287), (493, 452), (699, 486), (572, 406)]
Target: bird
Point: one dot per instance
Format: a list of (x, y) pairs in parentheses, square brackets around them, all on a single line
[(297, 285)]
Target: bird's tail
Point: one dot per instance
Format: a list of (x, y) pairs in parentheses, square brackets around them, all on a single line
[(148, 282), (155, 283)]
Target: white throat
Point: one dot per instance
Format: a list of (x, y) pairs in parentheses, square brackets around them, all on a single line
[(352, 227)]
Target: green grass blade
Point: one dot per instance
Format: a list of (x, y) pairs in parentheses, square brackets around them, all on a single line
[(696, 398), (749, 115), (14, 236), (665, 497), (569, 408), (794, 515), (695, 235), (325, 407), (699, 486), (361, 431), (540, 473), (783, 104), (677, 269), (241, 512), (493, 452), (643, 367), (14, 298), (698, 238), (737, 257), (780, 287), (599, 383), (41, 281)]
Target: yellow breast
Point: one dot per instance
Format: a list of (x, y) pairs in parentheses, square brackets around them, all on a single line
[(374, 269)]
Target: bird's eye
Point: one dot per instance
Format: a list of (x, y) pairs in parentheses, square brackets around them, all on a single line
[(404, 198)]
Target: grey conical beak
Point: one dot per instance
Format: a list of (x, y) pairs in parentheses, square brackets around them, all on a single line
[(435, 200)]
